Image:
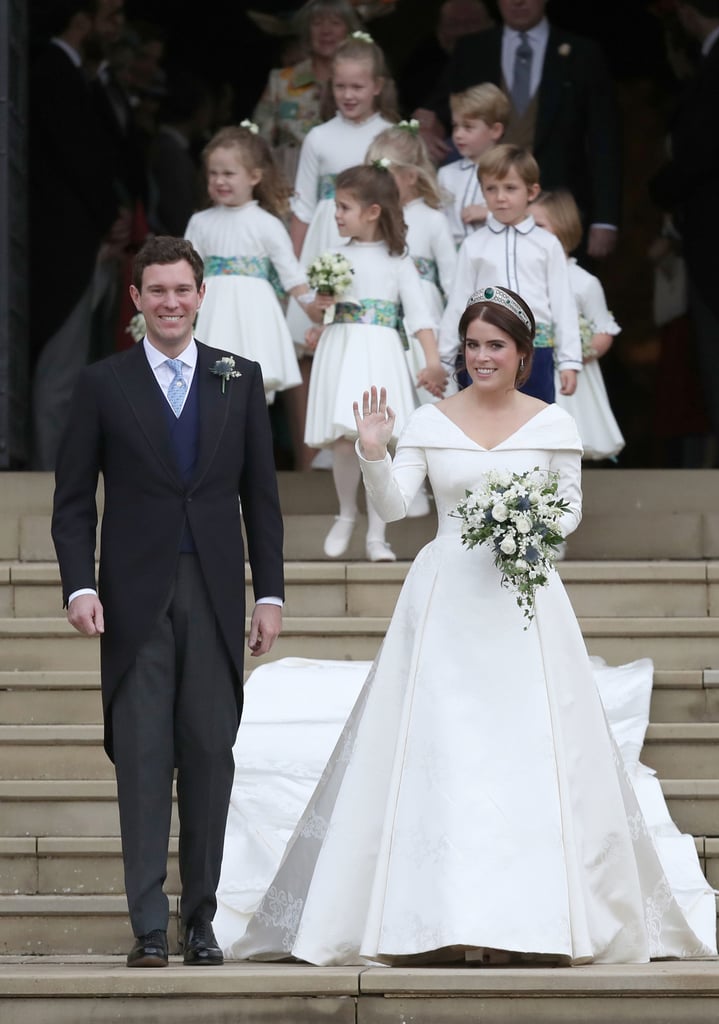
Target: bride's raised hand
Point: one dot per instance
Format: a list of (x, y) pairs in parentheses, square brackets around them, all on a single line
[(374, 424)]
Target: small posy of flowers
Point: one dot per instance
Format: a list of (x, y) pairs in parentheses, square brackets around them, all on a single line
[(587, 330), (382, 163), (364, 37), (250, 126), (137, 328), (586, 333), (330, 274), (517, 515), (225, 368)]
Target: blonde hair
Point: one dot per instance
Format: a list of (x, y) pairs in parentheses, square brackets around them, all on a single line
[(498, 161), (357, 48), (406, 149), (375, 185), (486, 102), (272, 192), (564, 215)]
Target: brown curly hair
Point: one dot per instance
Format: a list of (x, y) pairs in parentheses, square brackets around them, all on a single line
[(272, 192)]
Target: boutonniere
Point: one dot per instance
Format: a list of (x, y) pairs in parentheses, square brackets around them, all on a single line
[(225, 368), (564, 50)]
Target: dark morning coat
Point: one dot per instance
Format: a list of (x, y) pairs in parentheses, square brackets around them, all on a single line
[(118, 427), (577, 137)]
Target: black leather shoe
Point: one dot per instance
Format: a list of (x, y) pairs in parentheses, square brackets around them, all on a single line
[(200, 945), (149, 950)]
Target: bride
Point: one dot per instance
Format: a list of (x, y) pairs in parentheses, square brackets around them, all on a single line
[(475, 806)]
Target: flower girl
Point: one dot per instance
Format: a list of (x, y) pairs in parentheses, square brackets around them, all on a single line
[(429, 236), (364, 96), (246, 247), (362, 345), (589, 405)]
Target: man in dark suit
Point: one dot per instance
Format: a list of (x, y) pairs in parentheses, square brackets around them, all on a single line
[(183, 441), (566, 114), (686, 186)]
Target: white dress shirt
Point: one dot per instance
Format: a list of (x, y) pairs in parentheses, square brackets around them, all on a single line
[(459, 178), (537, 37), (531, 262), (164, 375)]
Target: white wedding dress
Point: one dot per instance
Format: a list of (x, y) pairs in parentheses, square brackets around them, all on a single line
[(475, 799)]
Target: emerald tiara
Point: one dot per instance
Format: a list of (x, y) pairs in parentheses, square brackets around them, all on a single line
[(501, 298)]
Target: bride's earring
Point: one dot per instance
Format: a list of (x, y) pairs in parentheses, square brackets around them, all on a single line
[(521, 364)]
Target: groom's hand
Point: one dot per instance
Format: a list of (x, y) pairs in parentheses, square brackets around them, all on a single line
[(85, 614), (264, 628)]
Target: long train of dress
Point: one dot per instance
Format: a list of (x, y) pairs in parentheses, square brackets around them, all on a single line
[(295, 710), (475, 799)]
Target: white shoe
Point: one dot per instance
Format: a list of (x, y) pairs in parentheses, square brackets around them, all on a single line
[(323, 459), (337, 540), (419, 506), (379, 551)]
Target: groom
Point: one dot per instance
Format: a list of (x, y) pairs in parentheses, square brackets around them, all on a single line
[(184, 446)]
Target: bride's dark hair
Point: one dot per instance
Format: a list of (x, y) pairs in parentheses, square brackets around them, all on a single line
[(501, 316)]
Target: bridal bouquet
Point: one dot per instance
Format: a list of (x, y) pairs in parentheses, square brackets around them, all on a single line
[(330, 273), (518, 515)]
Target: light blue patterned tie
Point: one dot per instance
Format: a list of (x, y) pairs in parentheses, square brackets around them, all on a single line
[(522, 73), (177, 389)]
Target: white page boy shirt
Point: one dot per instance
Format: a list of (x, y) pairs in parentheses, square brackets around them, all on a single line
[(531, 262), (460, 180)]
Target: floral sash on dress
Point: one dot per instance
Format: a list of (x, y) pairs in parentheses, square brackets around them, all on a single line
[(244, 266), (544, 336), (380, 312), (326, 186)]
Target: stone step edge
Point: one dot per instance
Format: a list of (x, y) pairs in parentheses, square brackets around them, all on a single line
[(54, 628), (104, 789), (110, 846), (87, 977), (312, 571), (90, 734), (82, 679)]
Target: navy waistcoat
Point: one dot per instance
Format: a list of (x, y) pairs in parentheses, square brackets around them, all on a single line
[(185, 437)]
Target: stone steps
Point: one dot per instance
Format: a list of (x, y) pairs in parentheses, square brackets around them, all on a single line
[(681, 643), (75, 866), (87, 807), (597, 589), (92, 865), (73, 698), (628, 514), (56, 752), (100, 990)]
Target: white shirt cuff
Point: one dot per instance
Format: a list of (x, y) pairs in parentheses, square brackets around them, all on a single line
[(76, 593), (270, 600)]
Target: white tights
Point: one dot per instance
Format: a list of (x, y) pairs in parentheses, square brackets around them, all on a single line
[(346, 474)]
